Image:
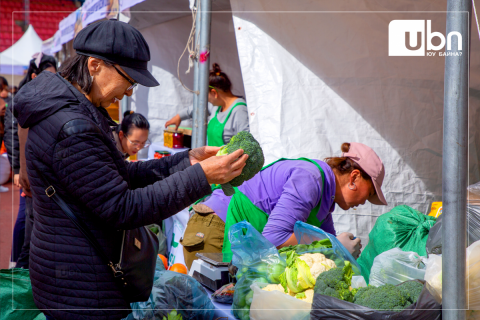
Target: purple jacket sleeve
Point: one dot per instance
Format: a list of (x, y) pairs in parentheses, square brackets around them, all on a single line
[(301, 193), (328, 226)]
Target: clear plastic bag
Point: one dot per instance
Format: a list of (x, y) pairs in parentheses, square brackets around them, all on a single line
[(396, 266), (258, 260), (433, 275), (433, 272), (306, 234), (358, 282), (267, 305)]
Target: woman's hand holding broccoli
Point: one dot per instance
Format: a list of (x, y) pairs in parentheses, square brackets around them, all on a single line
[(222, 169)]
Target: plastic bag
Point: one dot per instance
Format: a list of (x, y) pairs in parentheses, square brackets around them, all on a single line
[(224, 294), (306, 233), (173, 290), (427, 307), (433, 275), (358, 282), (434, 241), (267, 305), (258, 260), (183, 293), (144, 310), (15, 284), (402, 227), (433, 272), (396, 266)]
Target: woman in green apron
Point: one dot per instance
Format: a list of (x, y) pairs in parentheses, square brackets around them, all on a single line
[(287, 191), (230, 114)]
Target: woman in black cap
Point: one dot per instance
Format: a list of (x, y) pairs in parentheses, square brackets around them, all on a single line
[(70, 145)]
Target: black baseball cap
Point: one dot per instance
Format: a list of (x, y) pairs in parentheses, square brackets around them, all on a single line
[(119, 43)]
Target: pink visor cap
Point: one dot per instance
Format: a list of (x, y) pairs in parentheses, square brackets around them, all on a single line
[(369, 161)]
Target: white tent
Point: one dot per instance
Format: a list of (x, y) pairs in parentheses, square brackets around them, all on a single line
[(18, 56), (317, 74)]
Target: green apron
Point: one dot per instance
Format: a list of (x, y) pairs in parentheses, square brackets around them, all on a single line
[(241, 208), (215, 128)]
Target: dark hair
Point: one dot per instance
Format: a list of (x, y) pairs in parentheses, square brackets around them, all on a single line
[(3, 83), (75, 70), (219, 79), (345, 165), (46, 62), (132, 120)]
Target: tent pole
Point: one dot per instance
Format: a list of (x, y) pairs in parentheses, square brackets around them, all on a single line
[(201, 73), (454, 162)]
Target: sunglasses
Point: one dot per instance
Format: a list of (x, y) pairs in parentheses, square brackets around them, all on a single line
[(133, 84)]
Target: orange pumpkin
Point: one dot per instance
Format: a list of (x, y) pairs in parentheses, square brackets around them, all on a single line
[(164, 260), (178, 267)]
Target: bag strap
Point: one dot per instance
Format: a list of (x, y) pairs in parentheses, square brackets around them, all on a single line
[(52, 194)]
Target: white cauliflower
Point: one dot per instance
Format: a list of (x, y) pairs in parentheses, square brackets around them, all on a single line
[(308, 296), (317, 262)]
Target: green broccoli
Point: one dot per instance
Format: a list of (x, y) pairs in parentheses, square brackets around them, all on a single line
[(411, 290), (386, 297), (336, 283), (243, 140)]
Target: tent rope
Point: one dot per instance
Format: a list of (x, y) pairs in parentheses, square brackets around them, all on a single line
[(192, 47), (476, 18)]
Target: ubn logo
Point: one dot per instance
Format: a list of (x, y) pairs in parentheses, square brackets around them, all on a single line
[(407, 38)]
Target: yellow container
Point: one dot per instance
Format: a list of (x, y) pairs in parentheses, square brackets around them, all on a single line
[(168, 138), (436, 210)]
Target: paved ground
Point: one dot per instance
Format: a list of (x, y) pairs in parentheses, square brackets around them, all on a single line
[(8, 214)]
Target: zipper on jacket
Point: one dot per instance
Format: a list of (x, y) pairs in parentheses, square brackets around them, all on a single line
[(119, 264)]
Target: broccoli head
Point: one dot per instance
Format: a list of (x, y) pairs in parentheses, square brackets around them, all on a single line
[(411, 290), (336, 283), (243, 140), (386, 297)]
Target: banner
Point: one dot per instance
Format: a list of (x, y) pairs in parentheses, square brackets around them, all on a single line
[(125, 4), (47, 46), (93, 10), (57, 44), (67, 26)]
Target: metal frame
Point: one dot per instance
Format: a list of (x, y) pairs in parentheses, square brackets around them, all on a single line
[(201, 73), (455, 163)]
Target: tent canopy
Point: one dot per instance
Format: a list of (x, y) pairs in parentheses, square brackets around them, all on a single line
[(317, 74), (17, 57)]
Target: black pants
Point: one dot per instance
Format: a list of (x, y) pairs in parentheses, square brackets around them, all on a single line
[(22, 261)]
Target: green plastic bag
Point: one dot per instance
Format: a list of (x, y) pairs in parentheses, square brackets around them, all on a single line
[(16, 299), (403, 227)]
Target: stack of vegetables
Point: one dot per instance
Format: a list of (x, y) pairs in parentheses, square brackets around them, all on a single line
[(293, 271), (336, 283)]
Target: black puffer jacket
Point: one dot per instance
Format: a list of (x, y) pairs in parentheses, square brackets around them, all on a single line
[(70, 141), (11, 137)]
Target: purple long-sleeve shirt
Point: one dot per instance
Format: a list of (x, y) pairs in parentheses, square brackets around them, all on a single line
[(287, 191)]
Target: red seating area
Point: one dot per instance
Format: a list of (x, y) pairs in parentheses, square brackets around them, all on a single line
[(44, 16)]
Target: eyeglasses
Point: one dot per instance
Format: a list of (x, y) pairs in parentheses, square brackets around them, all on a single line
[(133, 84), (140, 145), (211, 87)]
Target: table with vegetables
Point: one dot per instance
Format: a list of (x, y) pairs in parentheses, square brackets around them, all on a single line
[(397, 276)]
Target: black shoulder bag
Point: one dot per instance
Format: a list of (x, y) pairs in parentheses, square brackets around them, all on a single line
[(135, 269)]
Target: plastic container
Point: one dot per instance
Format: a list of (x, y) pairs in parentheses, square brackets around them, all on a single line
[(172, 139), (161, 154)]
